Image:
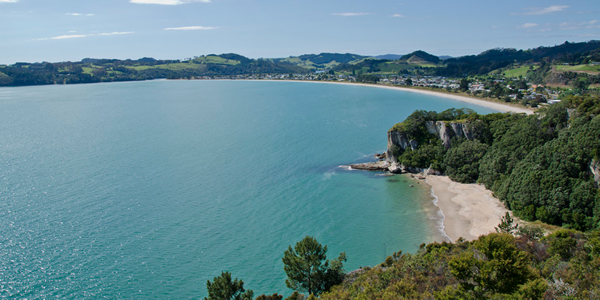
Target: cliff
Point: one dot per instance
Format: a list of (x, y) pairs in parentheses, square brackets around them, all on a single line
[(595, 170), (445, 131)]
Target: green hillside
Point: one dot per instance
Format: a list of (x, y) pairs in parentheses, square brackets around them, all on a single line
[(584, 68)]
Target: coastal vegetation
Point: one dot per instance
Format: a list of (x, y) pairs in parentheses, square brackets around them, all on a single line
[(541, 166), (562, 265), (515, 263)]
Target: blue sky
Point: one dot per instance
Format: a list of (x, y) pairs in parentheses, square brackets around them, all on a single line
[(62, 30)]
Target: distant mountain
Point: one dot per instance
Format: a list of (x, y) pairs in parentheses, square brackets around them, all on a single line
[(581, 57), (419, 57), (389, 56), (443, 57), (323, 61), (325, 58)]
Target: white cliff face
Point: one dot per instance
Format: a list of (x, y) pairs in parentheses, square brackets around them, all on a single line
[(445, 132), (595, 169), (401, 140)]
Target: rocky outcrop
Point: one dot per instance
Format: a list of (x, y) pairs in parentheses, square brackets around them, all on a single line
[(401, 141), (444, 131), (381, 165), (595, 170), (395, 168)]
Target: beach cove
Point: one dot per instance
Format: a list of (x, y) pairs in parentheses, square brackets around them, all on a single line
[(468, 210)]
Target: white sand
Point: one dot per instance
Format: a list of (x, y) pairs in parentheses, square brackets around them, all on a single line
[(469, 209), (498, 106)]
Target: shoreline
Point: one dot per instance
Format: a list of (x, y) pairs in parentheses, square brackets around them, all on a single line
[(498, 106), (468, 210), (501, 107)]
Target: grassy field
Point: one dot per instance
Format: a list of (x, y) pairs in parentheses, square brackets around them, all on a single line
[(515, 73), (331, 64), (88, 70), (584, 68), (174, 67), (216, 60), (301, 63)]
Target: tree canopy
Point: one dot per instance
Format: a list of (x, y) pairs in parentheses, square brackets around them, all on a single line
[(223, 288), (308, 269)]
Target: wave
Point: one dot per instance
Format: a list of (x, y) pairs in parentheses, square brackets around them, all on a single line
[(440, 224)]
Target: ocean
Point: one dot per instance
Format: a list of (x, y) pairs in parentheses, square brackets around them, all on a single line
[(144, 190)]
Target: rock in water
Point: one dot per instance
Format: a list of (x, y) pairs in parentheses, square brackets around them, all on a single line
[(372, 166)]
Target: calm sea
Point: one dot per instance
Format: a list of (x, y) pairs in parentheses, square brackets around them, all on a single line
[(148, 189)]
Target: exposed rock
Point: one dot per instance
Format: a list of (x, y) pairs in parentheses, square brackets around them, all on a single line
[(372, 166), (413, 144), (395, 168), (445, 131), (380, 156), (401, 140), (395, 138), (431, 171), (595, 169), (431, 127)]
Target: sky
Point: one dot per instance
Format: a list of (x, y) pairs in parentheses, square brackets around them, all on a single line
[(70, 30)]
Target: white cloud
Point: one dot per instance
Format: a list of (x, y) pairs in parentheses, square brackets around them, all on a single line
[(527, 25), (397, 16), (545, 10), (9, 1), (64, 37), (166, 2), (76, 36), (590, 24), (349, 14), (575, 26), (191, 28), (116, 33), (78, 14)]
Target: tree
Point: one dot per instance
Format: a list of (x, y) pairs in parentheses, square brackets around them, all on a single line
[(222, 288), (308, 269), (496, 265), (464, 84), (581, 83), (506, 225), (408, 81), (462, 162)]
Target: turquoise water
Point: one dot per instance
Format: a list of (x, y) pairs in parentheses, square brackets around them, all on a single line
[(148, 189)]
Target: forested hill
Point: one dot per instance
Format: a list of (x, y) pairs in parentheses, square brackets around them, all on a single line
[(91, 70), (490, 60), (562, 64), (323, 61), (543, 166), (421, 56)]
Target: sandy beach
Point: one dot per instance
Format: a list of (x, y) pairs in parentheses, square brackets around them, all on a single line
[(469, 209), (501, 107), (490, 104)]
